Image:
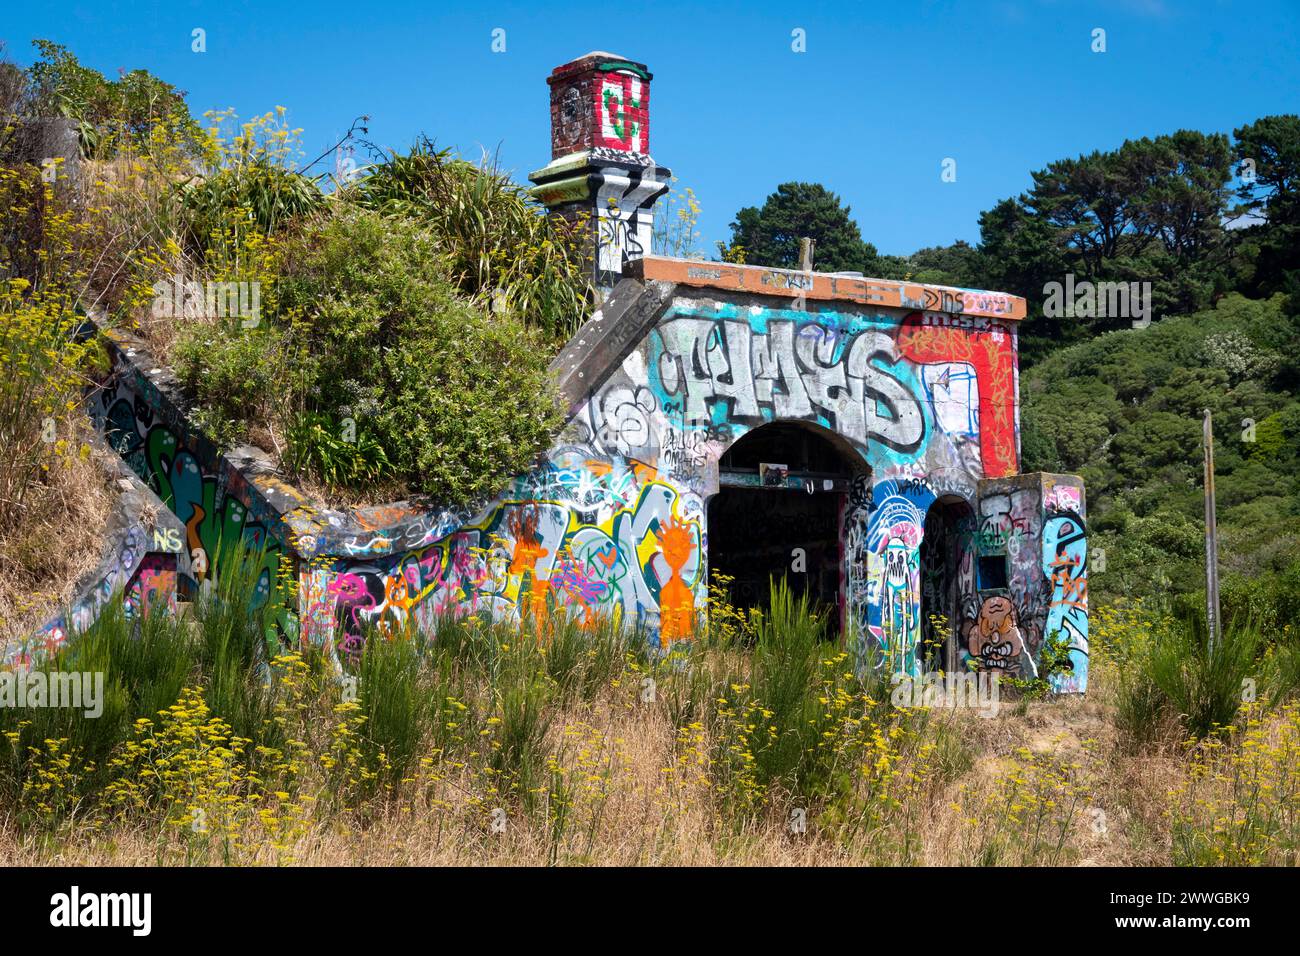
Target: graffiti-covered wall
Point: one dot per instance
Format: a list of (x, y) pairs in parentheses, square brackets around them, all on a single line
[(614, 522), (916, 386), (1033, 577), (220, 501)]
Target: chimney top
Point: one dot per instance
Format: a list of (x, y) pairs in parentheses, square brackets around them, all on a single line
[(601, 60), (600, 101)]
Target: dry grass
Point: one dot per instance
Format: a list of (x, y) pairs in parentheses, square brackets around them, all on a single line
[(617, 778), (637, 815), (59, 539)]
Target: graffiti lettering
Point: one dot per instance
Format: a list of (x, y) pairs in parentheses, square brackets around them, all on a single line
[(843, 381)]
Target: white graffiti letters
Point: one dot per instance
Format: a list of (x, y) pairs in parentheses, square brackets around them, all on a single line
[(809, 373)]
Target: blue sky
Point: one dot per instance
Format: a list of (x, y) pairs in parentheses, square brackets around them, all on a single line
[(884, 93)]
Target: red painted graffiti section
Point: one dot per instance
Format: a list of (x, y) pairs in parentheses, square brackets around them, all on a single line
[(990, 350)]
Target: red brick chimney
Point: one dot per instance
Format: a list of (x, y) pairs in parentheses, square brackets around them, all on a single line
[(601, 172)]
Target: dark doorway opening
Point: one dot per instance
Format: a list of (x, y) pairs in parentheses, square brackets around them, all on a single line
[(947, 581), (777, 515)]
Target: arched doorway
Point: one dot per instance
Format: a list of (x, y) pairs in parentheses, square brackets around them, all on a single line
[(948, 587), (778, 514)]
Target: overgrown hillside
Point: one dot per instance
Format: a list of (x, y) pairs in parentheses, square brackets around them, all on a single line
[(383, 331), (1124, 411)]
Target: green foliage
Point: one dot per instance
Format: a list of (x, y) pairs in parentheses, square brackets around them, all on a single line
[(41, 366), (1204, 687), (445, 395), (337, 450), (957, 265), (108, 113), (235, 651), (395, 704), (1271, 598), (1270, 259), (493, 242), (582, 661), (1171, 684), (1054, 658), (770, 236), (1124, 411), (1150, 210), (524, 720), (789, 644), (1019, 252), (1141, 709), (143, 669), (1153, 210), (458, 397), (237, 375), (255, 195)]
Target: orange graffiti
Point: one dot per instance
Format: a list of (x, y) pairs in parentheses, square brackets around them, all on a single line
[(528, 549), (192, 534), (676, 601), (644, 472), (1073, 590), (527, 552), (537, 608)]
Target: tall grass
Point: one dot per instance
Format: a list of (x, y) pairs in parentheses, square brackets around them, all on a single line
[(1204, 684), (231, 615), (1168, 677), (143, 666), (395, 701), (790, 642), (1240, 806), (591, 740)]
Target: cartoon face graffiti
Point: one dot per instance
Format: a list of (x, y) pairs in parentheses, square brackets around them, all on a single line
[(993, 638), (897, 571)]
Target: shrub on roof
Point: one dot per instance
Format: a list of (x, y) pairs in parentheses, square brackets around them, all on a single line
[(385, 370), (498, 246)]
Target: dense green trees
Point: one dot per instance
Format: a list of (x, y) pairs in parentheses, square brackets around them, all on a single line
[(1268, 155), (770, 235), (1123, 410), (1152, 210)]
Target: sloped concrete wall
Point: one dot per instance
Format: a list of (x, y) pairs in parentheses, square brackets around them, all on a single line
[(141, 557)]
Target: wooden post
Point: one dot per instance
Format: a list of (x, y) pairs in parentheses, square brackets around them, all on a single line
[(806, 247), (1211, 537)]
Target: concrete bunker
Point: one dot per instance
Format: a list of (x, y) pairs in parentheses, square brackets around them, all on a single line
[(718, 414)]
